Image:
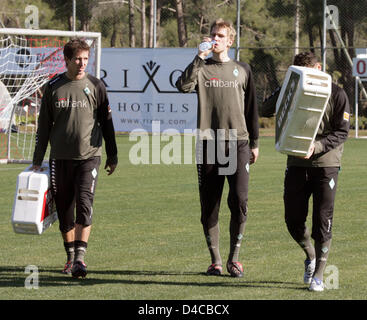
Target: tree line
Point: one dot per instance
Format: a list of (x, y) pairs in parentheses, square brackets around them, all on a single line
[(271, 31)]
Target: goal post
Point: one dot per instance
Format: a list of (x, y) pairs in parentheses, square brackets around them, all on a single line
[(28, 59)]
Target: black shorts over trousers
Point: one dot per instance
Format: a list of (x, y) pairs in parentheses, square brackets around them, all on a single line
[(73, 184), (299, 184)]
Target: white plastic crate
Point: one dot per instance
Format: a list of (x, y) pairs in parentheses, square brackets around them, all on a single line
[(34, 209), (299, 110)]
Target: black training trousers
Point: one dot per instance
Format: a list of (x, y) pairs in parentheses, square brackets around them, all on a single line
[(299, 184), (73, 184), (211, 181)]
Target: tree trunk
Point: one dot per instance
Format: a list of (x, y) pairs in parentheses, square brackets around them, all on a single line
[(151, 23), (143, 25), (309, 28), (114, 35), (334, 44), (131, 24), (158, 22), (181, 26), (70, 23)]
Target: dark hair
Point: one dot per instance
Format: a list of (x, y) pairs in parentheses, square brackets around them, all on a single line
[(73, 46), (305, 59)]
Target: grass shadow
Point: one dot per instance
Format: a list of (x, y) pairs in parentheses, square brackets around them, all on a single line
[(13, 276)]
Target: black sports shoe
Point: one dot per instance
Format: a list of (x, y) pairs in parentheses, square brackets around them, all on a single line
[(214, 270), (235, 269), (79, 269), (67, 268)]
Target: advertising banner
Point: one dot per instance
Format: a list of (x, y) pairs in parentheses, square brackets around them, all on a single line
[(15, 60), (141, 88)]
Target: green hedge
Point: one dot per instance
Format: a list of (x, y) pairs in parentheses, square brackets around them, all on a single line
[(270, 123)]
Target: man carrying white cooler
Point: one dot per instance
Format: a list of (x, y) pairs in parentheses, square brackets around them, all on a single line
[(316, 174), (74, 116)]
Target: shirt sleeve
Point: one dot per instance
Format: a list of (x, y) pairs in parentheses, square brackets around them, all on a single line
[(251, 111), (268, 107), (188, 80), (104, 114), (45, 124), (339, 122)]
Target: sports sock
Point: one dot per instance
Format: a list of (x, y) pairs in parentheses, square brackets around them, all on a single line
[(212, 240), (236, 231), (306, 245), (80, 250), (322, 252), (69, 248)]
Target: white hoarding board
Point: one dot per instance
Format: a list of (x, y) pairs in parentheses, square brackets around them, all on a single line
[(360, 67), (141, 88)]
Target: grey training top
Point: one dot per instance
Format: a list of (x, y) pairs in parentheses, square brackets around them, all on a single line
[(74, 116), (226, 97)]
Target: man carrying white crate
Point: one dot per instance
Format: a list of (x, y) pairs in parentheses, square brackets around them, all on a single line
[(74, 116), (315, 174)]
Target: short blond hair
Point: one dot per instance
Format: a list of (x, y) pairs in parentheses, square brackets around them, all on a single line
[(221, 23)]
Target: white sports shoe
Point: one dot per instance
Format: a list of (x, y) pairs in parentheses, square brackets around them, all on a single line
[(309, 270), (316, 285)]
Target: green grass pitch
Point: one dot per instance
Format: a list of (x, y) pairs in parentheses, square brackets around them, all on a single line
[(147, 242)]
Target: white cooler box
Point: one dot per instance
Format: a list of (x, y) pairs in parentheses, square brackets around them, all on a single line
[(34, 209), (299, 110)]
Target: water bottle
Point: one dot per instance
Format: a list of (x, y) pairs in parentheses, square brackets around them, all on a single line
[(206, 45)]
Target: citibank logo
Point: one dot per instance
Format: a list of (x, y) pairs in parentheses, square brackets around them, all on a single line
[(67, 103), (217, 83)]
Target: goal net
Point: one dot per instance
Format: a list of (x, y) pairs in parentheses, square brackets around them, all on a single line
[(28, 59)]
